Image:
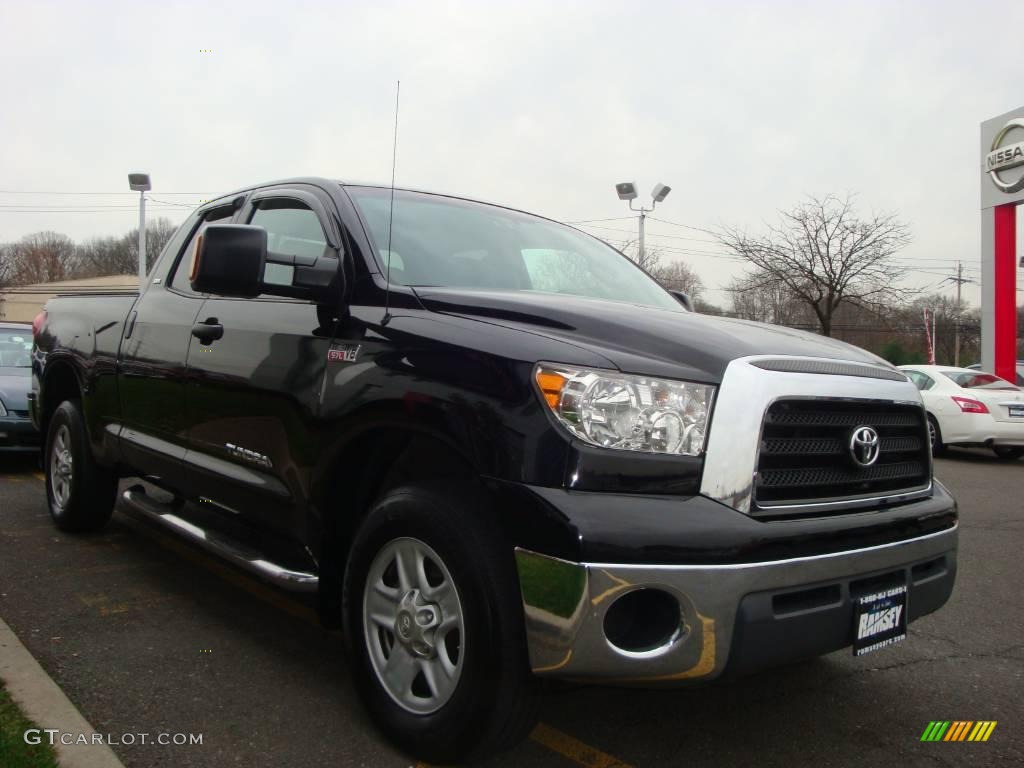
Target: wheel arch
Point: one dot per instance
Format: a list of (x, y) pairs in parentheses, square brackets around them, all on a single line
[(383, 450), (60, 382)]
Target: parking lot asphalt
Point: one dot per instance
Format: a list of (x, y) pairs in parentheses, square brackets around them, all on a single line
[(148, 635)]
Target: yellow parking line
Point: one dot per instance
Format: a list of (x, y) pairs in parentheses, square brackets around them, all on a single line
[(566, 746), (39, 476), (574, 749)]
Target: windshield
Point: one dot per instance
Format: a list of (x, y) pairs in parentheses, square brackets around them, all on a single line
[(15, 349), (442, 241), (970, 380)]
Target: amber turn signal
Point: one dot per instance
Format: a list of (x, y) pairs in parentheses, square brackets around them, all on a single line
[(550, 386)]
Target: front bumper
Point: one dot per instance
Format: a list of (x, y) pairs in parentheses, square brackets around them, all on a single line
[(733, 617), (18, 435)]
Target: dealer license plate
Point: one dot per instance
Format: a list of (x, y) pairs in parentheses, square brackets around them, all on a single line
[(1017, 411), (880, 620)]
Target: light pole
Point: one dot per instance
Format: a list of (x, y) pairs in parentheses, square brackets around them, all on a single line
[(139, 182), (627, 191)]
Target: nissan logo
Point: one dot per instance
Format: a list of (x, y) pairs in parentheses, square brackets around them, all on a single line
[(865, 446), (1004, 157)]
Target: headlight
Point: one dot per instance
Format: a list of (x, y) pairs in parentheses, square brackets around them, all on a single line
[(3, 411), (633, 413)]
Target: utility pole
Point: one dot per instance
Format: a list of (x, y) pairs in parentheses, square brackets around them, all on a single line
[(959, 288), (959, 280)]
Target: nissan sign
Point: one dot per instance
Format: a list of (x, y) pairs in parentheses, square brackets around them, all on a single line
[(1008, 156), (1002, 154)]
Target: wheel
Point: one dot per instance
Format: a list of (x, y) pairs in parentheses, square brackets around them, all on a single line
[(935, 436), (1008, 453), (81, 493), (434, 624)]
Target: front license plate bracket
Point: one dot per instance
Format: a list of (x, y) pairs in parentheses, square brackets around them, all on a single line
[(879, 620)]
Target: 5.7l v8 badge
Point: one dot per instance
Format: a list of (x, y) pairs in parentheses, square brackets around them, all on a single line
[(346, 353)]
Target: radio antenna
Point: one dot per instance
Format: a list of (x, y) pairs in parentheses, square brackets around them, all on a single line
[(391, 210)]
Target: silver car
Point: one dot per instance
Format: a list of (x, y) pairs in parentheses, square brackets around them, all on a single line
[(17, 434)]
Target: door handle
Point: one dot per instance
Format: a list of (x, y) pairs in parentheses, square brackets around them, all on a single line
[(207, 331)]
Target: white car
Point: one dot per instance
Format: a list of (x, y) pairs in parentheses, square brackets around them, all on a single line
[(970, 408)]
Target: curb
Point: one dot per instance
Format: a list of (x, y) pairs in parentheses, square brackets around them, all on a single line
[(45, 704)]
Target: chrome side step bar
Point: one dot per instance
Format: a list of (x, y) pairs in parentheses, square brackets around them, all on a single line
[(218, 544)]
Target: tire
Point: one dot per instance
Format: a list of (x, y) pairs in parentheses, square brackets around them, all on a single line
[(81, 494), (487, 700), (935, 435), (1008, 453)]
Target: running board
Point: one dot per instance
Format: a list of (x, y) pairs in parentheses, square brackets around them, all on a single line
[(218, 544)]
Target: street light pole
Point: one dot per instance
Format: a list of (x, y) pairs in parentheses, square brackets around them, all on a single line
[(643, 215), (142, 239), (139, 182)]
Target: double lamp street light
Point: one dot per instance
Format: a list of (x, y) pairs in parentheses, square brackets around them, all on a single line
[(627, 191)]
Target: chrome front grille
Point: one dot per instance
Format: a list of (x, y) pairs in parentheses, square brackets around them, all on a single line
[(805, 456)]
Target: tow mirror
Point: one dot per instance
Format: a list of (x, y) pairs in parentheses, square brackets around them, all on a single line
[(229, 260), (684, 299), (232, 260)]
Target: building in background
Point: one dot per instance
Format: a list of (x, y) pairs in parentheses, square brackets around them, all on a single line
[(20, 304)]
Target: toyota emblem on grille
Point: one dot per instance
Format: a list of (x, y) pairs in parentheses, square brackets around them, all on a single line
[(865, 446)]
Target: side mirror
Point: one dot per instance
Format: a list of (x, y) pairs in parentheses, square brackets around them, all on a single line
[(229, 261), (233, 260), (684, 299)]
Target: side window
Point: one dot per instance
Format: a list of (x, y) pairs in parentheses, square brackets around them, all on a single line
[(920, 380), (559, 271), (293, 230), (180, 281)]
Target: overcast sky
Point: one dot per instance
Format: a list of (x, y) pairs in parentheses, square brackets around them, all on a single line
[(742, 108)]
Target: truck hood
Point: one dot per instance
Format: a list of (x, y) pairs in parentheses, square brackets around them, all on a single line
[(637, 339), (15, 384)]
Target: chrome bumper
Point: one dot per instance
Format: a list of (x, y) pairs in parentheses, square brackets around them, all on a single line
[(565, 606)]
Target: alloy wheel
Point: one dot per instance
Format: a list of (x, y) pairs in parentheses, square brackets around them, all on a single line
[(413, 625), (61, 467)]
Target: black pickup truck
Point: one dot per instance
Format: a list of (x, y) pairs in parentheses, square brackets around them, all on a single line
[(494, 451)]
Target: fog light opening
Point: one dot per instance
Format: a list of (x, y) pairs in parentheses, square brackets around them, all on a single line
[(643, 621)]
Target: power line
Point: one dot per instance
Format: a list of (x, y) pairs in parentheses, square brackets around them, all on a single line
[(36, 192), (651, 234), (685, 226), (167, 209), (91, 207), (167, 202), (588, 221)]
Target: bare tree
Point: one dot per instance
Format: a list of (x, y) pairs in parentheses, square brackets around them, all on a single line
[(42, 257), (103, 256), (679, 276), (650, 259), (766, 301), (825, 255), (158, 232), (120, 255), (6, 263)]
